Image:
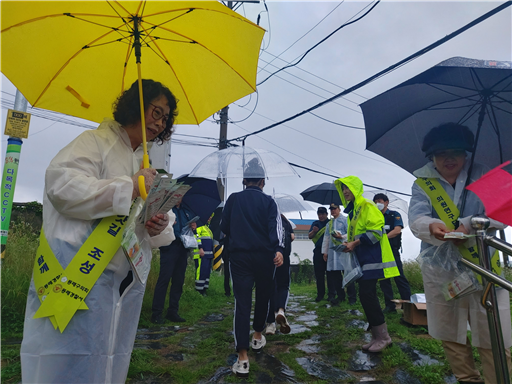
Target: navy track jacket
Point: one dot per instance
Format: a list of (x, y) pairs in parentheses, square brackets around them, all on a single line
[(252, 222)]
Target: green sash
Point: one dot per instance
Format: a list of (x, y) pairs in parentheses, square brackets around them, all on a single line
[(449, 214), (318, 235), (62, 292)]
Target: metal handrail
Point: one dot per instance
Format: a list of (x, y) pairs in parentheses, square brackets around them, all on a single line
[(489, 300)]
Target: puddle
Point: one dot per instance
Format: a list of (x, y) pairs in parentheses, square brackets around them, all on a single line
[(369, 379), (298, 328), (310, 345), (402, 377), (418, 358), (154, 345), (323, 371), (153, 336), (311, 323), (218, 375), (357, 324), (361, 361), (279, 372), (211, 318), (292, 297), (353, 312), (307, 317)]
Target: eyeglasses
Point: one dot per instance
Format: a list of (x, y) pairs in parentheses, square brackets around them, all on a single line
[(158, 113)]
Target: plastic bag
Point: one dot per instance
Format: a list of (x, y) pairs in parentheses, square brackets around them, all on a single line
[(455, 279), (188, 238), (351, 267)]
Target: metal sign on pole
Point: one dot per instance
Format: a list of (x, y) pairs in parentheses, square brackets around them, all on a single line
[(16, 127)]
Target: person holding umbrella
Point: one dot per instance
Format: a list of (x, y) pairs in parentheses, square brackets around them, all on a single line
[(93, 179), (252, 224), (336, 232), (440, 205), (367, 239)]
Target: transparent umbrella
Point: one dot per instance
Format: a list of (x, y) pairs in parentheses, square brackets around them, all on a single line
[(243, 162), (289, 203), (395, 203)]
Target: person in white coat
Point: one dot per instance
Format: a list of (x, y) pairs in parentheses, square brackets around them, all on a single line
[(93, 177), (335, 234), (446, 146)]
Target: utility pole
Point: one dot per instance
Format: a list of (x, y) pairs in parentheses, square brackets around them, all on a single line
[(223, 136)]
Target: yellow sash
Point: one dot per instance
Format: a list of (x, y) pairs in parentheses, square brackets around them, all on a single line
[(449, 214), (318, 235), (62, 292), (334, 240)]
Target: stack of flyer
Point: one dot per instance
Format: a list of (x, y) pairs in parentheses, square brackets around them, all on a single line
[(164, 194)]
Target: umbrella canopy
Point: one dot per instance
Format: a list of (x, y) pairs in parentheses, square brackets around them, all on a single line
[(77, 56), (395, 203), (243, 162), (475, 93), (325, 193), (495, 190), (202, 199), (289, 203)]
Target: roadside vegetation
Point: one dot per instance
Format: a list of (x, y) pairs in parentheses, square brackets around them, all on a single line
[(209, 350)]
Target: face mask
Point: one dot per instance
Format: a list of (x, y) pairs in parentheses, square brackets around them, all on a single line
[(380, 206)]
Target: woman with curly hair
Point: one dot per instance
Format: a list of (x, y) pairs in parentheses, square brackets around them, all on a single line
[(95, 177)]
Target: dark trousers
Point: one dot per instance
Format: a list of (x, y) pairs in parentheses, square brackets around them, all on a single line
[(279, 298), (320, 267), (336, 278), (173, 264), (203, 269), (401, 283), (227, 274), (249, 269), (370, 302)]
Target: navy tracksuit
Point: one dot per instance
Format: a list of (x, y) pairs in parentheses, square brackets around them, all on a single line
[(252, 223)]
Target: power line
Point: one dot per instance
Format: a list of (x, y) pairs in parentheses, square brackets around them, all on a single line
[(332, 122), (320, 42), (304, 35), (389, 69)]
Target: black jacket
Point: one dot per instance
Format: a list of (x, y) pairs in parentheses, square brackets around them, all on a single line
[(252, 222)]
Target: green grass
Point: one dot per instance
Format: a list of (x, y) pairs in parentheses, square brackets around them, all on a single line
[(207, 347)]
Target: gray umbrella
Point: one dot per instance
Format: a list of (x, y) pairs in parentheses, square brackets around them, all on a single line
[(475, 93), (289, 203)]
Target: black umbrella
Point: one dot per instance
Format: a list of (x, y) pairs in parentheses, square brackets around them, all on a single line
[(202, 198), (325, 193), (475, 93)]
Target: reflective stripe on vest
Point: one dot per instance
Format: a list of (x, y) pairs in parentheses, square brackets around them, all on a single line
[(449, 214)]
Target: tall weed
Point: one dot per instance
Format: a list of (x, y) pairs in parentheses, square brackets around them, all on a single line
[(17, 268)]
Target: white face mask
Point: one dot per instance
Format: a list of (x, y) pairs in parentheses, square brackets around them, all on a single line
[(380, 206)]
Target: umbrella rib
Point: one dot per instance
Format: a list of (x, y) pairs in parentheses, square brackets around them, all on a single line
[(64, 66)]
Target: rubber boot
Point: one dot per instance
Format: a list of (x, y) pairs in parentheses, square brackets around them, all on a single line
[(382, 339), (365, 347)]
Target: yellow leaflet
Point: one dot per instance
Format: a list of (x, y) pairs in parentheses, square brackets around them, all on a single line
[(83, 271)]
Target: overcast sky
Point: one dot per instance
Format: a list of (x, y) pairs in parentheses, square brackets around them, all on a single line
[(388, 34)]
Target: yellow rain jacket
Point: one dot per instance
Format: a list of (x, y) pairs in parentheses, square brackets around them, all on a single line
[(366, 223)]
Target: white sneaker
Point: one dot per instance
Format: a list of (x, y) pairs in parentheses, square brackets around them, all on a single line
[(257, 345), (271, 329), (281, 320), (241, 368)]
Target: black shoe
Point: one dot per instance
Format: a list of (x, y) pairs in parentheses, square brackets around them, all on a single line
[(335, 302), (389, 310), (319, 299), (202, 293), (157, 319), (175, 318), (330, 298), (352, 303), (227, 294)]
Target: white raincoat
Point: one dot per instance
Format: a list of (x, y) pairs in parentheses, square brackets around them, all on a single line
[(447, 320), (89, 179), (334, 259)]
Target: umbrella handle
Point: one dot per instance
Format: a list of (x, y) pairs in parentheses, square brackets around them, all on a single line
[(142, 184)]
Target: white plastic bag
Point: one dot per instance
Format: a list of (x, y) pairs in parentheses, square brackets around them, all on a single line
[(351, 267), (188, 238)]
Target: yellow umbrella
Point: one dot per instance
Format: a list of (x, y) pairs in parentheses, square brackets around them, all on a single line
[(75, 57)]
